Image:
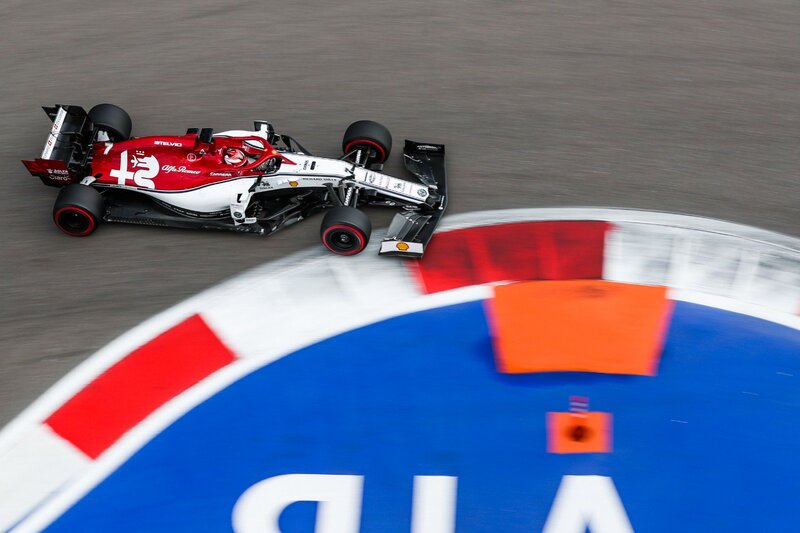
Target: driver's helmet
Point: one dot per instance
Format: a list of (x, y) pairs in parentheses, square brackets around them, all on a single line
[(234, 157)]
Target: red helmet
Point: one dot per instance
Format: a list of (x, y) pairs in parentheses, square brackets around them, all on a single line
[(234, 156)]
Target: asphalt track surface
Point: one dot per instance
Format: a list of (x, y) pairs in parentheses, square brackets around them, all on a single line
[(682, 106)]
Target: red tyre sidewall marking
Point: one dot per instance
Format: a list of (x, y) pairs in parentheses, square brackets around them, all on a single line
[(92, 223), (361, 237), (371, 143)]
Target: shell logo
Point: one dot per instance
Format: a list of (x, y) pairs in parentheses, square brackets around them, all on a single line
[(402, 246)]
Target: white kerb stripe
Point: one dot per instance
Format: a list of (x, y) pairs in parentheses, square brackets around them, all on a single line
[(37, 465), (321, 297), (753, 272)]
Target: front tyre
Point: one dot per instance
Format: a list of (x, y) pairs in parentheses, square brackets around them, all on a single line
[(345, 230), (78, 210), (372, 137)]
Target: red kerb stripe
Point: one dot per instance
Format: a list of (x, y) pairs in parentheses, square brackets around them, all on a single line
[(519, 251), (137, 385)]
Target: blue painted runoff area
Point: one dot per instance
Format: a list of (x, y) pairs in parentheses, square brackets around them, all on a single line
[(709, 444)]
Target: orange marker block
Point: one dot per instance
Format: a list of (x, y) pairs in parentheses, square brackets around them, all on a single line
[(579, 326), (579, 432)]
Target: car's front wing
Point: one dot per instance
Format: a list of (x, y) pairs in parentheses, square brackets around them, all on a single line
[(412, 229)]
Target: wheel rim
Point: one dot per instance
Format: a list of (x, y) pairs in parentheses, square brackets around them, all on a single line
[(113, 134), (343, 240), (376, 152), (74, 221)]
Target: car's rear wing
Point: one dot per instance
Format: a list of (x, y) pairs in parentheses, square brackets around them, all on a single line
[(65, 150), (412, 229)]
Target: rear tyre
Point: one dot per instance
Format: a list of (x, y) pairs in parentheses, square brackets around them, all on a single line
[(372, 136), (113, 120), (78, 210), (345, 230)]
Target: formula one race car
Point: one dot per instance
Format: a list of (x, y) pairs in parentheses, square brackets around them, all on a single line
[(248, 181)]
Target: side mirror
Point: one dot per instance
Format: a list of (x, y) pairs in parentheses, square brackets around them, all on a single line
[(266, 127), (205, 135)]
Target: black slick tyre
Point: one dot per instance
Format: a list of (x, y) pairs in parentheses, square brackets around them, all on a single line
[(113, 120), (78, 210), (345, 230), (372, 136)]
